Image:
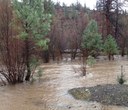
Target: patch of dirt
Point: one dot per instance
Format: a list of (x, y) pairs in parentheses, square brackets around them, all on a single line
[(110, 94)]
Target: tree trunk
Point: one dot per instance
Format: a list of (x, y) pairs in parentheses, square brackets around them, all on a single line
[(46, 56), (84, 66), (123, 48), (73, 54), (84, 63), (53, 56), (27, 78), (117, 19), (122, 52), (28, 72), (109, 57)]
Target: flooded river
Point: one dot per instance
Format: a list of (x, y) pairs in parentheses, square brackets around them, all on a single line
[(51, 91)]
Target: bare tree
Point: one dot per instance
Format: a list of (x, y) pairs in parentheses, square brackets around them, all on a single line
[(11, 48)]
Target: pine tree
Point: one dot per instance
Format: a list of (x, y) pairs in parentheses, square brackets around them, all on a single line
[(110, 47), (91, 43), (35, 24), (92, 40)]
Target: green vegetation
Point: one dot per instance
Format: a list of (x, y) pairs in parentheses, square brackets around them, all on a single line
[(39, 73), (33, 30), (35, 25), (80, 94), (91, 43), (92, 40), (110, 46), (91, 61)]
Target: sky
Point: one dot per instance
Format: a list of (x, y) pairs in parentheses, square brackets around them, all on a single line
[(89, 3)]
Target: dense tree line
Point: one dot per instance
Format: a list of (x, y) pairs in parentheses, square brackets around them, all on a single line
[(115, 18), (33, 30)]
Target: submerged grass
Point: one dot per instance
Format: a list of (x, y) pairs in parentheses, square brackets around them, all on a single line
[(80, 93)]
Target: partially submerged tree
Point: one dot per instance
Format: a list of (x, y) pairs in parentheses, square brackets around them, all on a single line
[(12, 58), (49, 8), (110, 47), (92, 41), (35, 24)]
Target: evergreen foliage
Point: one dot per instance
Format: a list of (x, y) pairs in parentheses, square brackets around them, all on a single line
[(92, 40), (91, 43), (35, 20), (91, 61), (110, 46), (49, 6)]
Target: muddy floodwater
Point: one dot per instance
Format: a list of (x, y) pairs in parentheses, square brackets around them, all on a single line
[(51, 91)]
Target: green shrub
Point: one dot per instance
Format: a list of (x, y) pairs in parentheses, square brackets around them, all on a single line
[(39, 73), (32, 80), (91, 61)]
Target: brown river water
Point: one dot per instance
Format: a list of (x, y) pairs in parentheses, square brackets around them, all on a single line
[(51, 91)]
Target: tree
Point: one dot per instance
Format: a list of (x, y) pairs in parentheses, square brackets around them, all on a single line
[(35, 24), (110, 47), (67, 28), (106, 7), (11, 48), (92, 40), (49, 7), (111, 9), (113, 12)]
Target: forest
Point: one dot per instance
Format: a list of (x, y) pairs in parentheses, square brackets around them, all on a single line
[(42, 41)]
